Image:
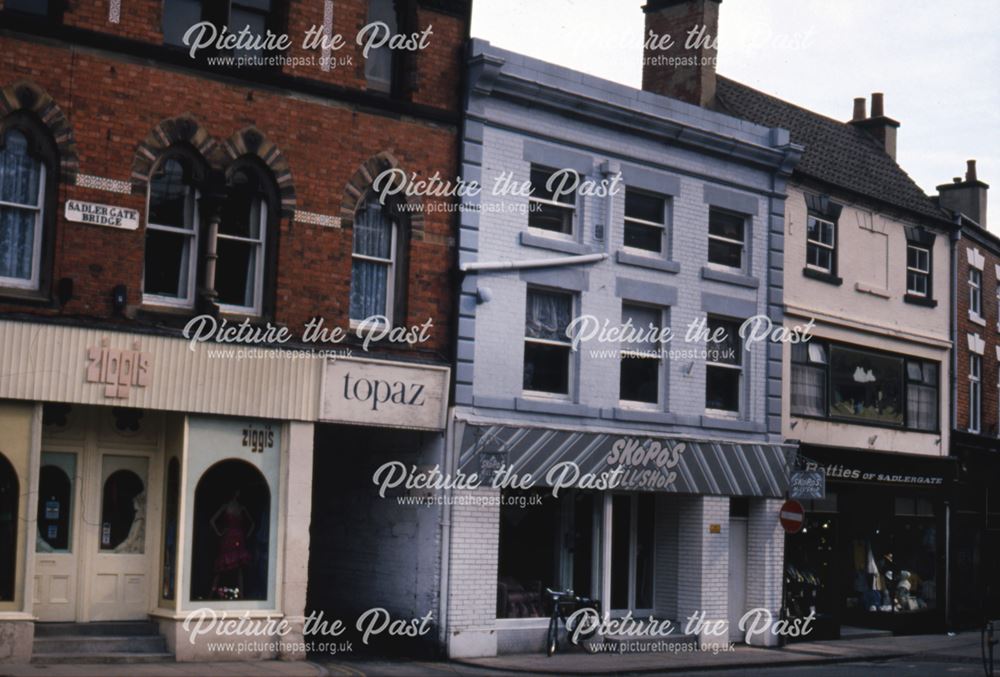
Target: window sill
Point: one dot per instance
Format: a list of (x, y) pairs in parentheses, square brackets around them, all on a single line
[(25, 296), (874, 291), (637, 415), (738, 279), (544, 405), (920, 301), (820, 276), (734, 424), (554, 244), (651, 262), (977, 319)]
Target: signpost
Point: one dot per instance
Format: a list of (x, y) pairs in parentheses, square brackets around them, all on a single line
[(792, 516)]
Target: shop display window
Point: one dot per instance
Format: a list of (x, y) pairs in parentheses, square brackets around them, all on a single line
[(546, 544), (231, 533), (9, 497)]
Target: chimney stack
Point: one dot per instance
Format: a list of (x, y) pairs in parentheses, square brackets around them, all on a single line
[(882, 128), (694, 81), (859, 109), (966, 197)]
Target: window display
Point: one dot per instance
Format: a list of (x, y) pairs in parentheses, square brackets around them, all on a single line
[(9, 497), (231, 518)]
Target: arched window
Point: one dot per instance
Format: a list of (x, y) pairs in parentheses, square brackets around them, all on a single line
[(375, 260), (9, 498), (242, 244), (22, 200), (171, 235), (230, 553)]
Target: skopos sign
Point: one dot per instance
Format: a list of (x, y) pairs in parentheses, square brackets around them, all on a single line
[(380, 393)]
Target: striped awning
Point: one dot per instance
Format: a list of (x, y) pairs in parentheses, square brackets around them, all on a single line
[(641, 462)]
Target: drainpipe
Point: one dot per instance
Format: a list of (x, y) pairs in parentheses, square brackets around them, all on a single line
[(956, 236), (444, 586), (531, 263)]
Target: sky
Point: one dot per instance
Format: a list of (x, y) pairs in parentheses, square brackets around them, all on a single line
[(938, 63)]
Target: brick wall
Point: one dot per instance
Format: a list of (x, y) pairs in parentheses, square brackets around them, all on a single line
[(472, 589), (113, 102), (988, 332), (765, 560), (703, 561)]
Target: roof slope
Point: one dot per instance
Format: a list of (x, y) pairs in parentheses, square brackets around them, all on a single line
[(836, 153)]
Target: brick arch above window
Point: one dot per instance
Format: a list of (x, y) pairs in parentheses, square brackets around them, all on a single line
[(251, 141), (361, 182), (27, 96), (181, 130)]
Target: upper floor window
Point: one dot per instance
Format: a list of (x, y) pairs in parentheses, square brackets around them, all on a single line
[(724, 366), (548, 211), (22, 191), (257, 16), (821, 244), (975, 292), (45, 9), (374, 261), (975, 392), (547, 349), (239, 277), (918, 270), (641, 366), (171, 236), (380, 65), (726, 232), (645, 221), (840, 382)]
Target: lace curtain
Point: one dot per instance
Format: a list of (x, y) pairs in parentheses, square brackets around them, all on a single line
[(547, 315), (20, 182), (373, 231)]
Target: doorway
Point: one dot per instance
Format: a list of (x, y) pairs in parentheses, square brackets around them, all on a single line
[(631, 518), (94, 539)]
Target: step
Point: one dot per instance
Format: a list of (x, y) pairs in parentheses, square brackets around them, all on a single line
[(101, 658), (105, 628), (88, 644), (854, 632)]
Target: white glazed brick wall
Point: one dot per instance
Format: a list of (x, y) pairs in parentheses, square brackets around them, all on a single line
[(765, 560), (472, 594), (499, 328), (703, 560)]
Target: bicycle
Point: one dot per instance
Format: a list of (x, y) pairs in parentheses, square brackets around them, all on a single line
[(564, 604)]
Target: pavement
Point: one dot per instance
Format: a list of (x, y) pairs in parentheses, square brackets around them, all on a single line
[(912, 655)]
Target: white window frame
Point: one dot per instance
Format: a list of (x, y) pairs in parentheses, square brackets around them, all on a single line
[(976, 292), (643, 222), (726, 413), (390, 285), (36, 247), (975, 393), (719, 238), (926, 273), (533, 199), (169, 301), (831, 247), (638, 404), (261, 243), (570, 359)]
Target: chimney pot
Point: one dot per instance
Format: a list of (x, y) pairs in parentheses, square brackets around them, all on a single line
[(970, 171), (859, 108), (957, 179), (878, 104)]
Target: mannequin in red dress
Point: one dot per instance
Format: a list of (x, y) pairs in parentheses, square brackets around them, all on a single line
[(233, 553)]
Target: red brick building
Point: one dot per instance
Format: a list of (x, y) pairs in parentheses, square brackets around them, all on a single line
[(144, 183), (976, 435)]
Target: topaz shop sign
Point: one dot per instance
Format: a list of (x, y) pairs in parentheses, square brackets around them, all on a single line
[(381, 393), (102, 215)]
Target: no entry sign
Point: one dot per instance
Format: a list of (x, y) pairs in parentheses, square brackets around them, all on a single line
[(792, 516)]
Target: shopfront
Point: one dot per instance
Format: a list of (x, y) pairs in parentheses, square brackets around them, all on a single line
[(147, 481), (652, 526), (872, 552)]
